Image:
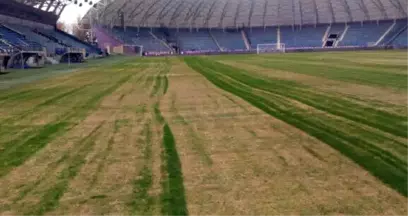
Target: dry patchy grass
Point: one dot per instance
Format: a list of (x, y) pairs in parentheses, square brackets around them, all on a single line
[(238, 160), (156, 137)]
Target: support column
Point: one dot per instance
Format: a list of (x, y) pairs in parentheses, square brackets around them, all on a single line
[(2, 68)]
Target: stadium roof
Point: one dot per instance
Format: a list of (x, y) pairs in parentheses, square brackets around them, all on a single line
[(236, 13), (54, 6)]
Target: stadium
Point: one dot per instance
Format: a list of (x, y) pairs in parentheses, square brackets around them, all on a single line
[(204, 107)]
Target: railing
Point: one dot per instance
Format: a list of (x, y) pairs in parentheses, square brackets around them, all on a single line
[(31, 48)]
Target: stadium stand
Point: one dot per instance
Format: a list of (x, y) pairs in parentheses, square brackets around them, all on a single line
[(306, 36), (27, 32), (401, 40), (4, 47), (364, 34), (173, 28), (398, 28), (18, 40), (229, 40), (50, 44), (194, 40), (397, 36), (140, 37), (299, 37), (261, 35), (215, 26)]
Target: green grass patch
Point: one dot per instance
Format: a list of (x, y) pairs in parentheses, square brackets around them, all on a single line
[(157, 114), (16, 153), (165, 84), (335, 71), (101, 196), (173, 198), (156, 86)]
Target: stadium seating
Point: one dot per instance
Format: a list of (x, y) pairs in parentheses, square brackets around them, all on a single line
[(398, 35), (18, 40), (307, 36), (5, 48), (104, 38), (194, 40), (229, 40), (73, 41), (364, 34), (50, 44), (159, 34), (261, 36), (140, 37), (400, 25), (52, 40), (401, 40)]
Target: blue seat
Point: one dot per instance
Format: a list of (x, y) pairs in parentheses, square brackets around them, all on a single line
[(365, 34), (306, 36), (229, 40), (401, 40), (194, 40), (19, 40), (261, 35), (140, 37)]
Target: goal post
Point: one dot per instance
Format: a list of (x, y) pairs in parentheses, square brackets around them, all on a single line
[(133, 49), (270, 48)]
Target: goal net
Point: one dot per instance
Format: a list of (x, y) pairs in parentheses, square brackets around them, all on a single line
[(270, 48), (132, 49)]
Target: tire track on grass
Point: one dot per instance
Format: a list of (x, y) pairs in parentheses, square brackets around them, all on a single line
[(50, 200), (173, 201), (104, 154), (139, 79), (46, 103), (14, 154), (23, 147), (49, 170), (173, 196), (197, 142), (142, 201)]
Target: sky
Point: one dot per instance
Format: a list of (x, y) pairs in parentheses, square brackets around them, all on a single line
[(72, 11)]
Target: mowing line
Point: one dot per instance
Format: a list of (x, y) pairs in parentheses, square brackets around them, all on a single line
[(381, 120), (378, 162), (360, 76)]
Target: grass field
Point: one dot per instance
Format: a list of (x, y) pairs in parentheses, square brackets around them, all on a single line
[(312, 133)]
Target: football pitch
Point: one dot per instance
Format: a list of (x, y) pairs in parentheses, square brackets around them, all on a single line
[(304, 133)]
